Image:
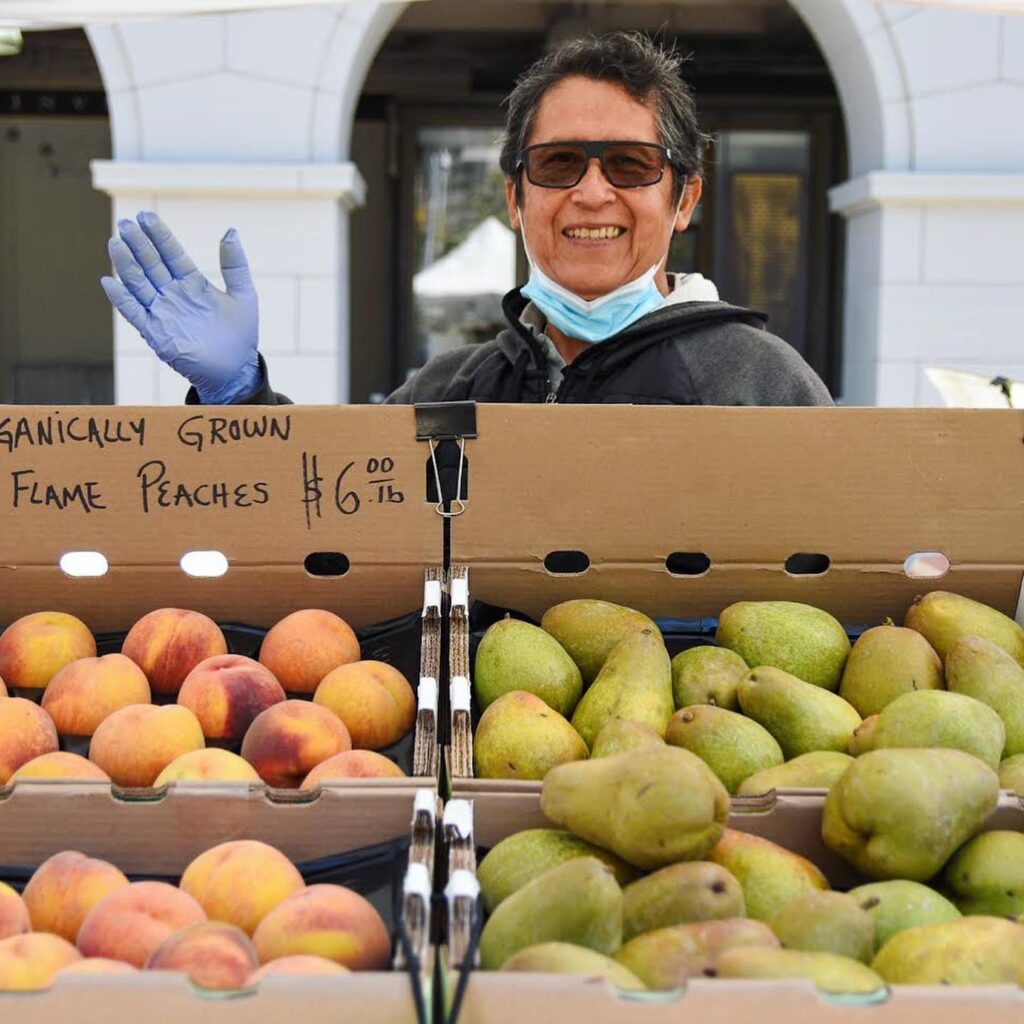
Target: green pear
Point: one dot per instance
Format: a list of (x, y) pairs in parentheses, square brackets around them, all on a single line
[(902, 813), (937, 718), (523, 856), (520, 737), (970, 951), (863, 738), (826, 922), (978, 668), (899, 904), (652, 807), (693, 890), (799, 639), (829, 972), (707, 675), (590, 629), (578, 902), (564, 958), (986, 875), (634, 683), (942, 618), (886, 662), (733, 747), (817, 770), (771, 875), (621, 735), (666, 958), (514, 655), (1011, 773), (800, 716)]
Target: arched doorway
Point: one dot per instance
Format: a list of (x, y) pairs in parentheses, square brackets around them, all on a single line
[(56, 339)]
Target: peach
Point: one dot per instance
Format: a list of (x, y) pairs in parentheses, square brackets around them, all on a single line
[(299, 963), (304, 646), (353, 764), (134, 919), (35, 647), (213, 954), (65, 887), (285, 742), (30, 961), (14, 919), (329, 921), (60, 765), (135, 744), (210, 763), (97, 965), (169, 642), (85, 691), (26, 731), (227, 692), (374, 700), (3, 688), (241, 881)]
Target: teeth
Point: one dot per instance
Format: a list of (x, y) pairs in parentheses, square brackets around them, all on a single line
[(594, 233)]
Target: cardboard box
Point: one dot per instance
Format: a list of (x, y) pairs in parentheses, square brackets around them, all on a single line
[(681, 511), (163, 838)]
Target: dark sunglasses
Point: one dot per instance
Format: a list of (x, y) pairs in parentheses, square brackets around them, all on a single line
[(624, 164)]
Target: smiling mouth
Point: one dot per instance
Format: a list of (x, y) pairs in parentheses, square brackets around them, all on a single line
[(594, 234)]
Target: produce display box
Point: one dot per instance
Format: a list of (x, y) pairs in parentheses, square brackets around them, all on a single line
[(359, 838), (308, 507), (473, 996), (679, 512)]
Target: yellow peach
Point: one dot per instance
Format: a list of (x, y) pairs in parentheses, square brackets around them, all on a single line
[(299, 963), (373, 699), (35, 647), (169, 642), (227, 692), (210, 763), (60, 764), (26, 731), (97, 965), (135, 744), (85, 691), (14, 919), (213, 954), (353, 764), (304, 646), (29, 962)]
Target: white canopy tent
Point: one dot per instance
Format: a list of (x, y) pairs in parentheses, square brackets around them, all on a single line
[(483, 263)]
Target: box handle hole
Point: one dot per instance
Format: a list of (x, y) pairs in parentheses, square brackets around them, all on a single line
[(567, 563), (926, 565), (807, 564), (326, 563), (204, 563), (687, 563), (83, 563)]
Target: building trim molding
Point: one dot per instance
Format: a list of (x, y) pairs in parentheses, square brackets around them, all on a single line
[(880, 189)]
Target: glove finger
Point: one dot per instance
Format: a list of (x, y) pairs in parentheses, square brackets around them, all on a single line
[(130, 272), (177, 261), (124, 302), (145, 253), (234, 266)]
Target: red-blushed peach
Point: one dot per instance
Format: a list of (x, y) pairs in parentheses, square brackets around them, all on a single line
[(329, 921), (299, 963), (304, 646), (373, 699), (64, 889), (241, 881), (14, 919), (97, 965), (169, 642), (29, 962), (135, 744), (134, 919), (288, 740), (213, 954), (353, 764), (60, 764), (35, 647), (26, 731), (85, 691), (210, 763), (227, 692)]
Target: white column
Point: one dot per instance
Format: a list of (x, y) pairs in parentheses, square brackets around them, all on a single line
[(293, 223), (934, 278)]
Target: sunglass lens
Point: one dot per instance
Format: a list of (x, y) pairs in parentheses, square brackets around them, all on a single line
[(557, 166), (628, 166)]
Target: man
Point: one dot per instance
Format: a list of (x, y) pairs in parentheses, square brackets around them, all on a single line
[(602, 157)]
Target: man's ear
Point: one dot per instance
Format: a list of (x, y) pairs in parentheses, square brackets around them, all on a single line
[(513, 209), (691, 197)]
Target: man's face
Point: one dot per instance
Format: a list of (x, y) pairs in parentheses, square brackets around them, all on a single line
[(580, 109)]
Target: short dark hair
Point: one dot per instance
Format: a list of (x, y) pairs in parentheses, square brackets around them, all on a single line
[(645, 69)]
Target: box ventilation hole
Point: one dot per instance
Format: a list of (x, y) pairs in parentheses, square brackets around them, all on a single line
[(83, 563), (326, 563), (807, 564), (687, 563), (926, 565), (567, 563), (204, 563)]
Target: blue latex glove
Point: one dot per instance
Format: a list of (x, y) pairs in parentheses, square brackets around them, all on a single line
[(207, 335)]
